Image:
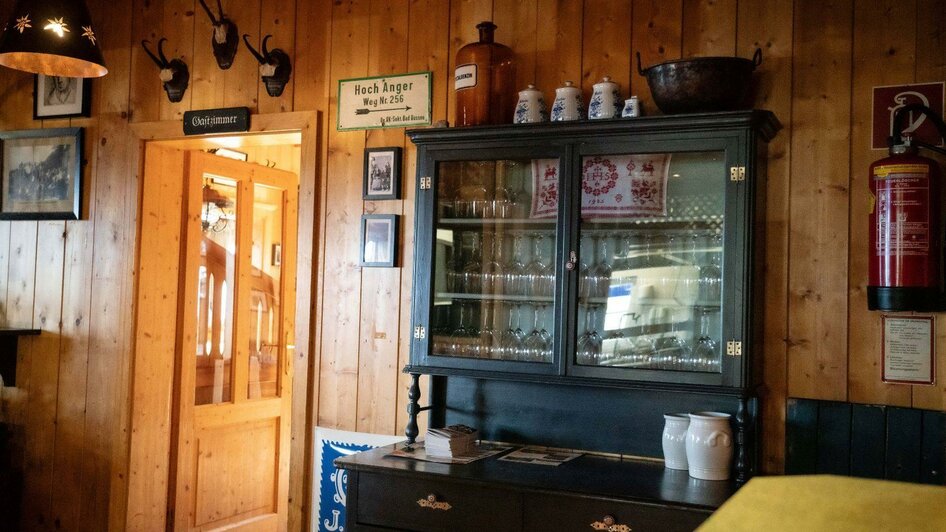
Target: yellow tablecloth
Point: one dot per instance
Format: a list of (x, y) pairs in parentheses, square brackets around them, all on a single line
[(831, 503)]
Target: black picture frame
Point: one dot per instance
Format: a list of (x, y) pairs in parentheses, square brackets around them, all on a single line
[(378, 246), (382, 174), (44, 167), (79, 105)]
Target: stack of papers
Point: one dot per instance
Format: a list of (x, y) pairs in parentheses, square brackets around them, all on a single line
[(455, 440)]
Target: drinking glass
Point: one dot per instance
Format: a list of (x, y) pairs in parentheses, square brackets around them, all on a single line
[(538, 345), (455, 266), (537, 271), (473, 270), (488, 345), (511, 340), (589, 344), (492, 272), (711, 273), (600, 273), (460, 338), (706, 351), (519, 200), (514, 270), (672, 349)]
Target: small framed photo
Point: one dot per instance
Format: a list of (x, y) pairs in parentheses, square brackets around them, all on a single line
[(382, 174), (379, 240), (41, 174), (61, 97)]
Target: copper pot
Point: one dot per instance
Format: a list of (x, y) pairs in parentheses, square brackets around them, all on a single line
[(700, 85)]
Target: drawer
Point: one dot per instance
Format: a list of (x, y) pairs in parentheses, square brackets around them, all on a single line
[(566, 514), (422, 505)]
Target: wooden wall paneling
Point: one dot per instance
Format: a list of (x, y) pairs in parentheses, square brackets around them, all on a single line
[(104, 472), (518, 23), (71, 441), (278, 17), (931, 66), (242, 80), (207, 87), (178, 27), (709, 28), (464, 16), (605, 44), (310, 67), (428, 46), (558, 29), (4, 268), (44, 376), (801, 437), (767, 25), (904, 427), (155, 337), (834, 438), (147, 24), (884, 48), (933, 453), (380, 287), (868, 429), (818, 240), (657, 35), (342, 274)]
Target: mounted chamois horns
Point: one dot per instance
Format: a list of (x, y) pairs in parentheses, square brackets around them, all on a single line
[(274, 66), (225, 39), (174, 73)]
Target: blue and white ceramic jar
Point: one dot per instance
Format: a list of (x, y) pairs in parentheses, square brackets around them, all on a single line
[(568, 104), (605, 100), (531, 107)]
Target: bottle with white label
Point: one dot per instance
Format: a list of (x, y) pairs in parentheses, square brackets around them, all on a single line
[(484, 81)]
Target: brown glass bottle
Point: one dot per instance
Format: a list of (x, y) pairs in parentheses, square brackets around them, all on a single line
[(484, 81)]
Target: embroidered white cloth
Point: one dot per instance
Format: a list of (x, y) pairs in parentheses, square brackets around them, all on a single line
[(611, 186)]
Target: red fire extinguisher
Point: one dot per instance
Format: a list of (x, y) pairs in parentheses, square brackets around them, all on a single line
[(906, 238)]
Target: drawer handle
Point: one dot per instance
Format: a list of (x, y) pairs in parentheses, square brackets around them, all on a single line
[(607, 523), (432, 503)]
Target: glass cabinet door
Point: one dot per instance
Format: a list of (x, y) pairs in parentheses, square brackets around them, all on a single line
[(494, 263), (650, 275)]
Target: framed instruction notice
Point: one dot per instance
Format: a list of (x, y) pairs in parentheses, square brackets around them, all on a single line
[(908, 353)]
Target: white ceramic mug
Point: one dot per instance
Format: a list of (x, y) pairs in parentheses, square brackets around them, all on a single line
[(531, 107), (568, 104), (605, 100), (709, 445), (674, 440)]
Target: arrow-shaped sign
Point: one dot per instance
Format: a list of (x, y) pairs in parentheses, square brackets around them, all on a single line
[(366, 111)]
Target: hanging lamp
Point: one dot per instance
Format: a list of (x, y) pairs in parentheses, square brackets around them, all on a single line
[(52, 37)]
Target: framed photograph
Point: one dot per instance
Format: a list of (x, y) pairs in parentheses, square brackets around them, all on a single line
[(379, 240), (61, 97), (41, 174), (382, 174)]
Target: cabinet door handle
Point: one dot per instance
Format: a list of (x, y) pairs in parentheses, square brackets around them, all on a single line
[(572, 261), (608, 524), (431, 502)]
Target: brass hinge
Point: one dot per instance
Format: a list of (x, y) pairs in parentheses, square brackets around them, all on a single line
[(737, 173), (734, 348), (425, 183), (420, 332)]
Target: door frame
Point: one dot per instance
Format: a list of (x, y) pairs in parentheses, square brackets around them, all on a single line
[(151, 398)]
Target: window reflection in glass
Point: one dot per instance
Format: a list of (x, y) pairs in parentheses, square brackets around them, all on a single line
[(265, 309)]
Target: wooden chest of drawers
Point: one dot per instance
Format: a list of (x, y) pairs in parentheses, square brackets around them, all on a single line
[(586, 494)]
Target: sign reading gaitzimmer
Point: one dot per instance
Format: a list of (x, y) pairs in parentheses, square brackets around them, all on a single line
[(207, 121), (399, 100)]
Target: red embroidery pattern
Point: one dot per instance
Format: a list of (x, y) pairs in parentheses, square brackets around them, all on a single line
[(599, 176)]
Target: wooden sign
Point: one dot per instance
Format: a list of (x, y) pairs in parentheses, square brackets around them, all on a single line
[(908, 349), (398, 100), (229, 120), (888, 99)]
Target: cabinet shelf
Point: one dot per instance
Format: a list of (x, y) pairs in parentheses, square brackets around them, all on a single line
[(526, 222)]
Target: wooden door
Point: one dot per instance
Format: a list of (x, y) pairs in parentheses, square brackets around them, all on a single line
[(233, 385)]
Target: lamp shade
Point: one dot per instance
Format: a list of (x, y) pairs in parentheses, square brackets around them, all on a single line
[(52, 37)]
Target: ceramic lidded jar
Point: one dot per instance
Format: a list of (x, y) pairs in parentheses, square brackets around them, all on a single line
[(531, 107), (709, 445), (605, 100), (484, 80), (674, 440), (568, 104)]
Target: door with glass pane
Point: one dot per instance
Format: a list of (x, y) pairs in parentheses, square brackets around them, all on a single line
[(236, 316), (653, 225), (494, 268)]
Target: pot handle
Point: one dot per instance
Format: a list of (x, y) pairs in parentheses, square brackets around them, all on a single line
[(639, 69), (757, 58), (716, 436)]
